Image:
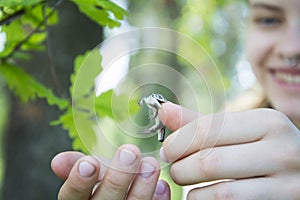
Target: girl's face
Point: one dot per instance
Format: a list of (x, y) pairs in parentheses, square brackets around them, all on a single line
[(273, 49)]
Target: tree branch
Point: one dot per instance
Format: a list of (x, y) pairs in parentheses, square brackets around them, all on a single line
[(39, 26), (11, 17)]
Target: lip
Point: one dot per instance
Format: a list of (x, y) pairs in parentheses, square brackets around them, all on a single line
[(286, 78)]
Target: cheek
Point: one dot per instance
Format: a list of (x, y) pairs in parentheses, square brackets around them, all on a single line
[(254, 52), (258, 50)]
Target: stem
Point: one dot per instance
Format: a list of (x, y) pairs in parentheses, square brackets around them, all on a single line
[(39, 26), (17, 14), (10, 18)]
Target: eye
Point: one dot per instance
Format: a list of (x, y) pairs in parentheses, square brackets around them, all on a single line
[(267, 21)]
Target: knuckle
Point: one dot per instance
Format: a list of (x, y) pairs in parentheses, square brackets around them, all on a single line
[(116, 188), (280, 121), (74, 186), (209, 166)]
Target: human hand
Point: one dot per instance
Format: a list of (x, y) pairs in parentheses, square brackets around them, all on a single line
[(257, 150), (87, 178)]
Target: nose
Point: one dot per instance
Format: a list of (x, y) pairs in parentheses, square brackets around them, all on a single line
[(289, 45)]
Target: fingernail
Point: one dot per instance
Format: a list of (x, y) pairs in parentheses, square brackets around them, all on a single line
[(162, 155), (160, 188), (127, 157), (86, 169), (147, 170)]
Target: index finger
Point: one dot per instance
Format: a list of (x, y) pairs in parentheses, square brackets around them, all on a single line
[(218, 130), (175, 116)]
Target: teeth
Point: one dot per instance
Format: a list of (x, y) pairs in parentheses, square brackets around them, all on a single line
[(289, 78)]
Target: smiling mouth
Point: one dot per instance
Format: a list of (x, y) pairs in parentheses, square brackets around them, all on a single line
[(288, 78)]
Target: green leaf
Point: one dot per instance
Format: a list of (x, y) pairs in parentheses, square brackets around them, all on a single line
[(14, 34), (27, 88), (68, 123), (118, 12), (99, 11), (103, 104), (35, 15), (35, 42), (108, 103), (52, 99), (86, 68), (13, 3)]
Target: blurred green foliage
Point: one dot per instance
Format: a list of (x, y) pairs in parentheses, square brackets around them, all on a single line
[(24, 23)]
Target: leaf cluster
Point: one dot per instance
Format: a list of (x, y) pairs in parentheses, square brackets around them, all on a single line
[(102, 12), (24, 24)]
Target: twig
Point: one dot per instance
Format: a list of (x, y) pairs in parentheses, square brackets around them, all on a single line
[(19, 45), (10, 18), (18, 13)]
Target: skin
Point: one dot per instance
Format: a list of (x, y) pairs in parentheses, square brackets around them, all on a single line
[(119, 181), (257, 152)]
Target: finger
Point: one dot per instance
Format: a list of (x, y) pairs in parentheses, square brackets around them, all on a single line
[(250, 189), (175, 116), (62, 163), (162, 191), (145, 182), (221, 129), (83, 177), (119, 174), (227, 162)]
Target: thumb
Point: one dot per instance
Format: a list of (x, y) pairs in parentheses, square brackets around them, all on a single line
[(175, 116), (63, 163)]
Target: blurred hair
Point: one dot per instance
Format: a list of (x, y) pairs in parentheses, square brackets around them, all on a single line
[(249, 99)]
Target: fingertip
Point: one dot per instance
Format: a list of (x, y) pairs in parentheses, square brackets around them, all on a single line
[(162, 191), (165, 110), (130, 147), (88, 166), (63, 162), (152, 161), (128, 154), (162, 155), (149, 166), (82, 179), (175, 116), (120, 173)]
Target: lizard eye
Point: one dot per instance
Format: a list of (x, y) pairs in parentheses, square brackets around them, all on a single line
[(158, 96)]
